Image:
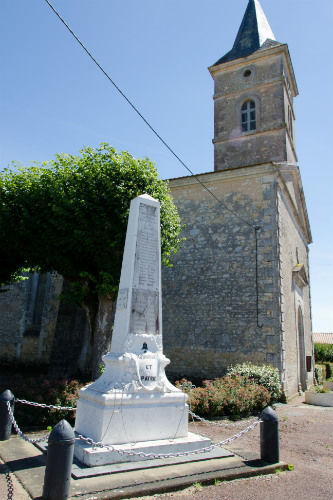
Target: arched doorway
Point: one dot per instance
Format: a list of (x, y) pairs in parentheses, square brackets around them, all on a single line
[(302, 375)]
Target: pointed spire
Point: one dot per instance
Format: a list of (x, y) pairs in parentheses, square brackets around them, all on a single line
[(254, 33)]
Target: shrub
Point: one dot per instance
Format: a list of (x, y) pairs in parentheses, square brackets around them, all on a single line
[(323, 353), (42, 390), (266, 376), (233, 396), (320, 389), (319, 373)]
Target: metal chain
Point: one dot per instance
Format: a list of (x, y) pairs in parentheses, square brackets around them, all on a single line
[(93, 443), (168, 455), (42, 405), (9, 486), (99, 444), (18, 430), (220, 423)]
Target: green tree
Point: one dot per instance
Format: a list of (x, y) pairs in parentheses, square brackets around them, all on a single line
[(70, 216)]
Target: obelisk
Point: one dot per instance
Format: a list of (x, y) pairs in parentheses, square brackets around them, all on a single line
[(133, 404)]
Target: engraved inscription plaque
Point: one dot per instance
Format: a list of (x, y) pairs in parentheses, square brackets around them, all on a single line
[(145, 312), (148, 370), (146, 268)]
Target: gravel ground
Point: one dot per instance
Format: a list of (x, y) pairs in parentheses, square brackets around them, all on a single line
[(306, 442), (7, 479)]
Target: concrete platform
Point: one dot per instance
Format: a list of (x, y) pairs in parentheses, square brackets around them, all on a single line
[(27, 462), (80, 470), (94, 457)]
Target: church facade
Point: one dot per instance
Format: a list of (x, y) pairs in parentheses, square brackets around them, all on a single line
[(239, 286)]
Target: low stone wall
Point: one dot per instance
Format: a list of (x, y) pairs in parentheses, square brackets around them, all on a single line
[(319, 398)]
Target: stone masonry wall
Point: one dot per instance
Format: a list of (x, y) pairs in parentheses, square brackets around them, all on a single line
[(17, 342), (13, 305), (71, 349), (209, 295), (293, 250)]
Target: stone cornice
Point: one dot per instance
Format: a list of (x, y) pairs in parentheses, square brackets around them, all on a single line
[(268, 53), (300, 276), (224, 175)]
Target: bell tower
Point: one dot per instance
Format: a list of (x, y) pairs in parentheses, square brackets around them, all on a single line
[(254, 88)]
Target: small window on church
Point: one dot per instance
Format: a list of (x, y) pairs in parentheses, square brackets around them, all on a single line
[(248, 116)]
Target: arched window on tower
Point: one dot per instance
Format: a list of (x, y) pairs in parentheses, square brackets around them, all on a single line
[(249, 116)]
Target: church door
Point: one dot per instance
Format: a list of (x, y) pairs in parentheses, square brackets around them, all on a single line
[(302, 380)]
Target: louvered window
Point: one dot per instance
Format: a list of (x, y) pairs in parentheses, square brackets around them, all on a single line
[(249, 116)]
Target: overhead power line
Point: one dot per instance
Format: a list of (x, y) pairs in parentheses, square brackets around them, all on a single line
[(146, 121), (255, 227)]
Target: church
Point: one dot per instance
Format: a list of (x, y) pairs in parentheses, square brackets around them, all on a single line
[(239, 286)]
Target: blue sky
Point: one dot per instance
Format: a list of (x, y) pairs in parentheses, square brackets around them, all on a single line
[(54, 99)]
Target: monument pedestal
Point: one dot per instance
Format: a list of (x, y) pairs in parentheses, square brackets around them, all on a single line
[(133, 406), (93, 457), (120, 417)]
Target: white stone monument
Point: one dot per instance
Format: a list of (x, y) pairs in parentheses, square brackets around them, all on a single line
[(133, 406)]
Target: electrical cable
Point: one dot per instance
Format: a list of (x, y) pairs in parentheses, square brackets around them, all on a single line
[(144, 119), (256, 228)]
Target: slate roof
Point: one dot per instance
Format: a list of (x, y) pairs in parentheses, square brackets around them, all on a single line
[(253, 35)]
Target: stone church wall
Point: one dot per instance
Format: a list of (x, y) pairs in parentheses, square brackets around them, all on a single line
[(209, 295), (293, 251)]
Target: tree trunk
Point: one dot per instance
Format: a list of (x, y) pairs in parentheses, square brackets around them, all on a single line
[(100, 313), (102, 332)]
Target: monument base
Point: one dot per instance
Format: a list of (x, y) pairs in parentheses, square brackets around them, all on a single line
[(95, 456), (118, 417)]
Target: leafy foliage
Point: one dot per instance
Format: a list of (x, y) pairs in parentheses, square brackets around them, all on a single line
[(42, 390), (323, 353), (70, 215), (233, 396), (266, 376), (320, 389), (320, 372), (245, 389)]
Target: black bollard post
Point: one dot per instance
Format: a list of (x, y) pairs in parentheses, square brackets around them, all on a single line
[(5, 420), (59, 462), (269, 436)]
